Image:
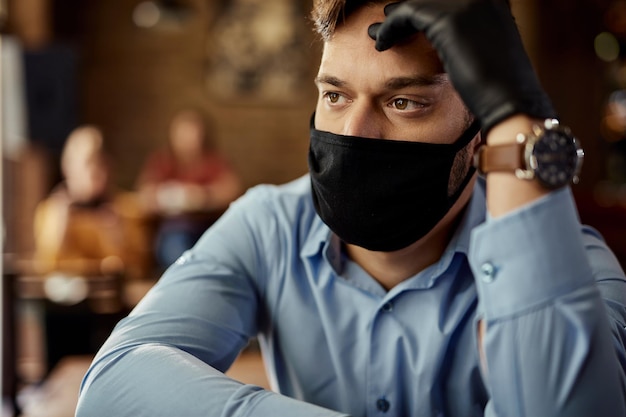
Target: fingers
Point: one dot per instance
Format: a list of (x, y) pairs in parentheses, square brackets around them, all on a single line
[(372, 30), (394, 30), (391, 7), (400, 25)]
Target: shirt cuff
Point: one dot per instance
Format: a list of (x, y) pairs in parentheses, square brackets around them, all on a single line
[(530, 256)]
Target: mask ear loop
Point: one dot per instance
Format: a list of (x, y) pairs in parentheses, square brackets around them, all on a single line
[(467, 136)]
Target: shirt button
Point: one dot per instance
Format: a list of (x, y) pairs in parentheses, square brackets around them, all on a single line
[(382, 404), (387, 307), (489, 272)]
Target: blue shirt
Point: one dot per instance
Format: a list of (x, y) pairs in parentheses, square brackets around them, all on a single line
[(336, 343)]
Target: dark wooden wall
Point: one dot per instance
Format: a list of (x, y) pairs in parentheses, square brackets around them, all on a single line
[(132, 79)]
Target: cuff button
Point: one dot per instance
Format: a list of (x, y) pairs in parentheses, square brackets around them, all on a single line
[(489, 272)]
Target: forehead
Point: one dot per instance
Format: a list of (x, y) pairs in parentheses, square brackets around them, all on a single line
[(350, 48)]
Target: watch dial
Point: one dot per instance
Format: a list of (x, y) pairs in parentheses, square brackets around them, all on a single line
[(557, 159)]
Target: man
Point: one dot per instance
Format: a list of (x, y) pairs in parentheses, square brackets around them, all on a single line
[(379, 285)]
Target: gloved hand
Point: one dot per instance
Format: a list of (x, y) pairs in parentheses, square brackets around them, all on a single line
[(481, 50)]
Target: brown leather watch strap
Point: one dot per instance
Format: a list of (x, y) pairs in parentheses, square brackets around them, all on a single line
[(509, 158)]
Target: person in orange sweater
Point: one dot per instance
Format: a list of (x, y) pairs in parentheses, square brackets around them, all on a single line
[(86, 225)]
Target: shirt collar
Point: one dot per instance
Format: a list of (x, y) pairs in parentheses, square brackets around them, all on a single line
[(318, 236), (473, 216)]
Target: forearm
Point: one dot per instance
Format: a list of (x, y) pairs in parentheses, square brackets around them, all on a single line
[(158, 380), (547, 346), (554, 361)]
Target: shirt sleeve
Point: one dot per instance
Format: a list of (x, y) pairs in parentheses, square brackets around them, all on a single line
[(553, 297), (168, 356)]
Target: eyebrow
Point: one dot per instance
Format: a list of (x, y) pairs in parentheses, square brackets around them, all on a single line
[(395, 83), (417, 81), (329, 79)]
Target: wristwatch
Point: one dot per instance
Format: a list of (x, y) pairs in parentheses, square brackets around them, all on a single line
[(550, 153)]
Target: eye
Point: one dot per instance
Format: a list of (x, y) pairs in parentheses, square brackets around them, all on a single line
[(405, 104), (335, 99), (332, 97)]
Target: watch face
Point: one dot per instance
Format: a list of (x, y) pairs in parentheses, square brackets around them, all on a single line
[(557, 158)]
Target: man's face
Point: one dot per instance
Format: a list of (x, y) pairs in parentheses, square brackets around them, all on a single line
[(400, 94), (186, 138)]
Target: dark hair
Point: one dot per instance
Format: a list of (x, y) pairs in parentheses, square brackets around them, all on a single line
[(327, 14)]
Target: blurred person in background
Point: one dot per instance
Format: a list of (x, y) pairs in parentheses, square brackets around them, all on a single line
[(187, 185), (86, 225)]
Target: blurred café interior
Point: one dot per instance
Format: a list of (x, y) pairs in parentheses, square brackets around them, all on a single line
[(125, 68)]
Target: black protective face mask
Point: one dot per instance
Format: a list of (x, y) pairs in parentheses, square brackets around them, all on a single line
[(379, 194)]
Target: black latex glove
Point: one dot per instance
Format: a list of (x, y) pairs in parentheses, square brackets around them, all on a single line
[(481, 50)]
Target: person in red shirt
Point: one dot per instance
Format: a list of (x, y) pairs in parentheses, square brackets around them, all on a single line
[(187, 185)]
